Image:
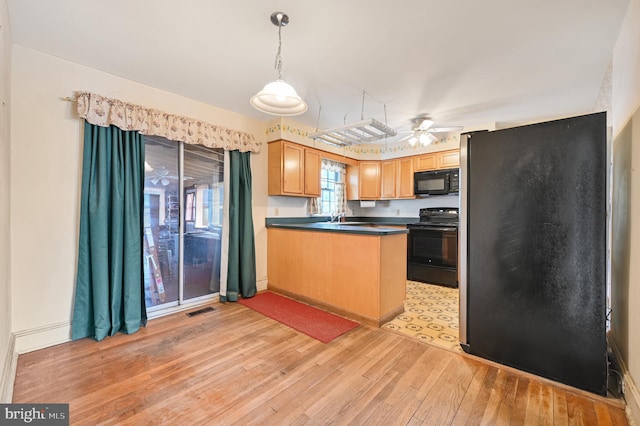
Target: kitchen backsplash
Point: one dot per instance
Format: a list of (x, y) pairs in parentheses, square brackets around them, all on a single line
[(297, 206), (407, 208)]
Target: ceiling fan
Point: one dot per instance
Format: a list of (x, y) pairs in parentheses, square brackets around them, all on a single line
[(422, 130), (162, 176)]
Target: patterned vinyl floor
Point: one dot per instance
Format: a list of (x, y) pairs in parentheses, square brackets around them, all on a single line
[(431, 315)]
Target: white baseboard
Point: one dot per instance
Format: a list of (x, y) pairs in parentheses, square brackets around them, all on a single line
[(261, 285), (9, 372), (631, 394), (42, 337), (632, 397)]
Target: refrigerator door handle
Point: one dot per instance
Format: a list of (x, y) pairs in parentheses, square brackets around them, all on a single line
[(462, 242)]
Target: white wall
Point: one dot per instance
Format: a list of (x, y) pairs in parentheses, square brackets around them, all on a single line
[(6, 351), (626, 202), (46, 147), (404, 208)]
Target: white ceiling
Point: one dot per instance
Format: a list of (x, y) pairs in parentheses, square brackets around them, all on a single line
[(464, 62)]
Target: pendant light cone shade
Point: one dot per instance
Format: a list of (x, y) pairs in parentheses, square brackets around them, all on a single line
[(278, 97)]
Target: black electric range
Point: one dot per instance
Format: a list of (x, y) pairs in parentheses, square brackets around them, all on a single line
[(432, 247)]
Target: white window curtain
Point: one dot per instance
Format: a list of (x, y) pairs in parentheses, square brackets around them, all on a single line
[(340, 198), (104, 112)]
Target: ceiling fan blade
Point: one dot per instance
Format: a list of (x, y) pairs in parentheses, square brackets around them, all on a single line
[(404, 138), (445, 129)]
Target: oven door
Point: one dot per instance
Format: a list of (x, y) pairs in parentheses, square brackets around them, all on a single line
[(433, 246), (432, 255)]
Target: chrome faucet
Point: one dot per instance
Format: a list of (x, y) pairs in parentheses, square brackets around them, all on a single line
[(338, 217)]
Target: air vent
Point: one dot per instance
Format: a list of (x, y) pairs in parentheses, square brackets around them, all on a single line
[(200, 311)]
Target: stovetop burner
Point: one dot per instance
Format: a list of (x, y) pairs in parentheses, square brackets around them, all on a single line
[(438, 216)]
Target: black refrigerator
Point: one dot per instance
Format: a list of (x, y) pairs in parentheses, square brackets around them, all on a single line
[(533, 249)]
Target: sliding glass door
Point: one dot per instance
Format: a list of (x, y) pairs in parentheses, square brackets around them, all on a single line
[(203, 190), (184, 191)]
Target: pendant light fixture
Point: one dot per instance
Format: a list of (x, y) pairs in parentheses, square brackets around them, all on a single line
[(278, 97)]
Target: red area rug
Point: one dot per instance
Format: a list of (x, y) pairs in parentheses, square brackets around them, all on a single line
[(311, 321)]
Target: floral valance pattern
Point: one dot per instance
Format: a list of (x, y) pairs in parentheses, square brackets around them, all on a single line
[(102, 111)]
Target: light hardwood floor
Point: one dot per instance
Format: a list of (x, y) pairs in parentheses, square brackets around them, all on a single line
[(235, 366)]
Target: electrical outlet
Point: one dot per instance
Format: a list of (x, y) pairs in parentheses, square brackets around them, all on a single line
[(276, 212), (398, 212)]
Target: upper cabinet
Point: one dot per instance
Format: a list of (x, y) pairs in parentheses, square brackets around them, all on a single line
[(293, 170), (397, 178), (369, 177), (363, 181), (388, 179), (426, 162), (449, 159), (312, 169), (438, 160), (404, 177)]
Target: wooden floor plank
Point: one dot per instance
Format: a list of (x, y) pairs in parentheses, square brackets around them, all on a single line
[(474, 403), (235, 366), (560, 416)]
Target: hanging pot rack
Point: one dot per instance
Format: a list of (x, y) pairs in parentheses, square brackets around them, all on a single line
[(363, 131)]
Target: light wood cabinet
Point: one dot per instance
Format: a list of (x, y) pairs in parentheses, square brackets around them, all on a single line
[(369, 177), (397, 178), (293, 170), (449, 159), (404, 179), (438, 160), (363, 181), (426, 162), (356, 275), (312, 168), (388, 179)]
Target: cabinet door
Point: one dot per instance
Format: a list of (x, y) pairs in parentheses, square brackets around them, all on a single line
[(426, 162), (312, 165), (388, 170), (292, 169), (369, 177), (449, 159), (353, 182), (405, 178)]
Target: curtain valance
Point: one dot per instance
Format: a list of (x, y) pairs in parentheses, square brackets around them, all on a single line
[(102, 111)]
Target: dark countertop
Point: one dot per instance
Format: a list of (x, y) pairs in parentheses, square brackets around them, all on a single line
[(352, 225)]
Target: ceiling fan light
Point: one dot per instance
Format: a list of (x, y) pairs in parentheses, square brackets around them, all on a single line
[(427, 139), (425, 124), (279, 98), (412, 140), (165, 181)]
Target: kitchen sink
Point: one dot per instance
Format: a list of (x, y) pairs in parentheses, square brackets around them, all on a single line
[(350, 223)]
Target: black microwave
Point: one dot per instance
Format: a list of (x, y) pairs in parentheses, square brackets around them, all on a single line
[(436, 182)]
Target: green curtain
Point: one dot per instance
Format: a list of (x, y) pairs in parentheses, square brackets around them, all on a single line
[(241, 272), (110, 283)]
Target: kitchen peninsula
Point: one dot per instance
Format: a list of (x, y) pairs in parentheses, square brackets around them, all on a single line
[(354, 269)]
